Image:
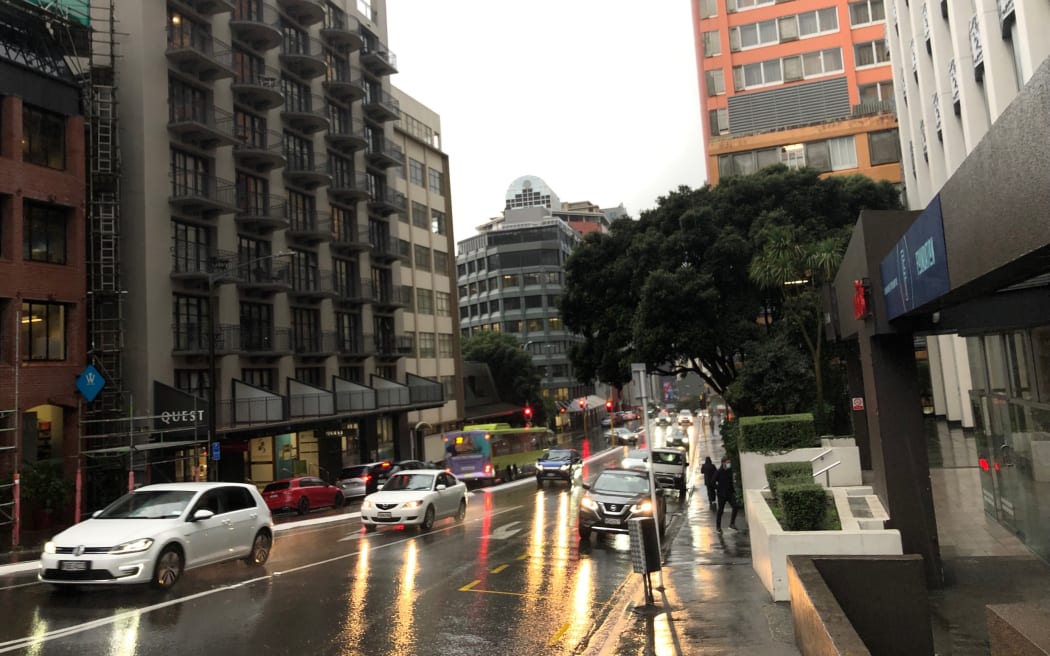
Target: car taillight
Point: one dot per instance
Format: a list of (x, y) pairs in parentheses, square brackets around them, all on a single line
[(488, 469), (367, 478)]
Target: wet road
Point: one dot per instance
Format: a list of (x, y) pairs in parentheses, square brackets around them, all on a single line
[(513, 578)]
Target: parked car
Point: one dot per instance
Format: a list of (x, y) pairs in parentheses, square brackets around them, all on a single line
[(613, 498), (301, 494), (415, 498), (157, 532), (677, 437), (624, 435), (671, 469), (685, 417), (359, 480), (558, 465)]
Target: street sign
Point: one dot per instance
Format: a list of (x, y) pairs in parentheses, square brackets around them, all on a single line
[(858, 402), (216, 452), (90, 383)]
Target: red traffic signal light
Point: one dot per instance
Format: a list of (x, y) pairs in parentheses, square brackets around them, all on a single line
[(583, 403), (563, 410), (528, 412), (608, 406)]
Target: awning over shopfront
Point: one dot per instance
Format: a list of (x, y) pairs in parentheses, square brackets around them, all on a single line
[(254, 405), (309, 401), (390, 394), (353, 397)]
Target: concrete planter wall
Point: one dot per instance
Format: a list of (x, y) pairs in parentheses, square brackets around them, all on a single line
[(844, 451), (863, 534)]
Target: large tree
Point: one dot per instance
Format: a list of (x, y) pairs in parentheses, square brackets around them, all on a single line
[(674, 289), (516, 377)]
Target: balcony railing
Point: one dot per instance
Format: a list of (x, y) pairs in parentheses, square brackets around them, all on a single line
[(346, 133), (303, 55), (258, 87), (873, 107), (352, 345), (388, 200), (385, 248), (344, 83), (306, 112), (377, 57), (195, 52), (205, 126), (390, 296), (265, 275), (381, 105), (384, 152), (192, 261), (190, 337), (312, 283), (264, 211), (347, 237), (349, 187), (196, 193), (307, 227), (308, 171), (320, 343), (210, 7), (342, 31), (262, 340), (391, 346), (261, 150), (304, 12), (256, 24)]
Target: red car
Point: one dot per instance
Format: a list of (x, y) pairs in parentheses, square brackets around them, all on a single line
[(301, 494)]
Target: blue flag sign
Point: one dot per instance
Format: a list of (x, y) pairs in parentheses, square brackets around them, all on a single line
[(216, 451), (90, 383)]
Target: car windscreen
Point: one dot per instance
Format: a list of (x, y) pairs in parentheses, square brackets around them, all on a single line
[(638, 454), (617, 484), (559, 454), (668, 457), (409, 482), (274, 487), (150, 504)]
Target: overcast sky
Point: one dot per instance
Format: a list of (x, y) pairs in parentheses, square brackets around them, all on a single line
[(596, 97)]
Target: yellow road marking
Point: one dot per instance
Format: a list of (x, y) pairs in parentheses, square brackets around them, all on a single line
[(523, 556), (468, 587), (500, 569), (557, 636)]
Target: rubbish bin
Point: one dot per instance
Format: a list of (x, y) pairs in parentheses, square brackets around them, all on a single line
[(645, 550)]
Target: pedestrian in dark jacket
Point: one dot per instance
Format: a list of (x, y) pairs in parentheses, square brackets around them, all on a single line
[(726, 493), (709, 470)]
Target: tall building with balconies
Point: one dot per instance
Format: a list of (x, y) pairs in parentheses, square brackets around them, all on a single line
[(797, 82), (262, 254)]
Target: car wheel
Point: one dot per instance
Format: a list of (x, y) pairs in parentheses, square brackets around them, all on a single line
[(303, 507), (585, 531), (260, 552), (461, 514), (428, 519), (337, 502), (168, 568)]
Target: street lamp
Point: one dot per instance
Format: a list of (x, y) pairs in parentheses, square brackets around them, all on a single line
[(213, 302)]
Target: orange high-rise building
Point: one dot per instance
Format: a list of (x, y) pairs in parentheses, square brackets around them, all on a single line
[(799, 82)]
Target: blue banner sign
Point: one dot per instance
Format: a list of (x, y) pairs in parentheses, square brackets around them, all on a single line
[(915, 272)]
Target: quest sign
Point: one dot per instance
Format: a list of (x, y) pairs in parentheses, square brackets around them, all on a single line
[(916, 271), (178, 415)]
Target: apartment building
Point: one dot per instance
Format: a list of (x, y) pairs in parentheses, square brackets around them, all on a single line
[(42, 253), (798, 82), (429, 283), (265, 267)]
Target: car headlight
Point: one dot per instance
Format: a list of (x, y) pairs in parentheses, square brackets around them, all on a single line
[(366, 504), (563, 467), (134, 546), (643, 507), (588, 503), (49, 547), (412, 504)]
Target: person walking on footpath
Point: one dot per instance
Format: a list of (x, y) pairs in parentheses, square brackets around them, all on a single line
[(726, 493), (709, 470)]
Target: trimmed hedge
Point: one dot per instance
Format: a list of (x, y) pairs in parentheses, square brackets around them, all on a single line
[(769, 434), (804, 506), (782, 473)]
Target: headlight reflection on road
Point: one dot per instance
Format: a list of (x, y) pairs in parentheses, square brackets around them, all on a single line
[(125, 636), (35, 638), (402, 635), (581, 614), (353, 627)]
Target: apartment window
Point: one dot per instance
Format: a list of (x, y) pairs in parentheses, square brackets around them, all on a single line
[(306, 329), (43, 331), (297, 96), (712, 43), (866, 11), (843, 151), (753, 35), (880, 91), (436, 185), (708, 8), (427, 346), (822, 62), (449, 385), (415, 172), (190, 316), (419, 215), (43, 138), (354, 374), (259, 377), (249, 249), (716, 82), (424, 301), (884, 147), (190, 175), (304, 270), (438, 225), (441, 263), (187, 103), (256, 326), (191, 247), (443, 304), (822, 21), (302, 210), (193, 381), (719, 121), (872, 53), (421, 257), (348, 332), (444, 345), (555, 323), (253, 194), (408, 296), (250, 129), (513, 326), (44, 233), (758, 74), (342, 171), (310, 375), (737, 5), (299, 151)]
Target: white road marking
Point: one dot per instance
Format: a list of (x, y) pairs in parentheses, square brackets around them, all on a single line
[(504, 532)]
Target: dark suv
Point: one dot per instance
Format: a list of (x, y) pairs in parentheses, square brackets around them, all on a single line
[(613, 498), (558, 465)]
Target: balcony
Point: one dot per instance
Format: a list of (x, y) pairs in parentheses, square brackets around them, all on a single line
[(270, 275), (191, 263), (193, 193), (304, 12), (190, 338), (206, 7), (259, 150), (874, 107), (308, 229), (344, 83), (377, 58), (195, 52), (387, 200), (204, 126), (259, 213), (346, 238), (312, 285), (388, 298), (342, 31), (318, 344), (349, 188), (348, 135), (260, 88), (391, 346), (305, 113), (262, 341), (385, 249), (256, 25), (303, 56), (352, 345), (380, 105), (307, 171), (384, 153)]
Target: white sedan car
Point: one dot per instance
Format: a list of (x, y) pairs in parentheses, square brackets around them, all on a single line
[(417, 497), (155, 533)]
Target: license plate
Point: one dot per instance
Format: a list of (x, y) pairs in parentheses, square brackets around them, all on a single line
[(468, 469), (615, 522), (74, 565), (384, 515)]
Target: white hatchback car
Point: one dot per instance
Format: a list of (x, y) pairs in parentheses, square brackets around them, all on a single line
[(154, 534), (416, 497), (685, 417)]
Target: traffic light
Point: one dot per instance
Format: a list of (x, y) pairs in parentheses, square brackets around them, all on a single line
[(562, 410), (608, 406), (583, 403), (528, 413)]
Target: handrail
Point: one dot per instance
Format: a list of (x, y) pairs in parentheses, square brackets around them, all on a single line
[(827, 472), (821, 455)]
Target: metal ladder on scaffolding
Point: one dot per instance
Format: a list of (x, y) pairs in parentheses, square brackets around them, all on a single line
[(8, 449)]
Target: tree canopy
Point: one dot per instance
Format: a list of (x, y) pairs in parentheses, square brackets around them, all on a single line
[(516, 377), (675, 289)]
